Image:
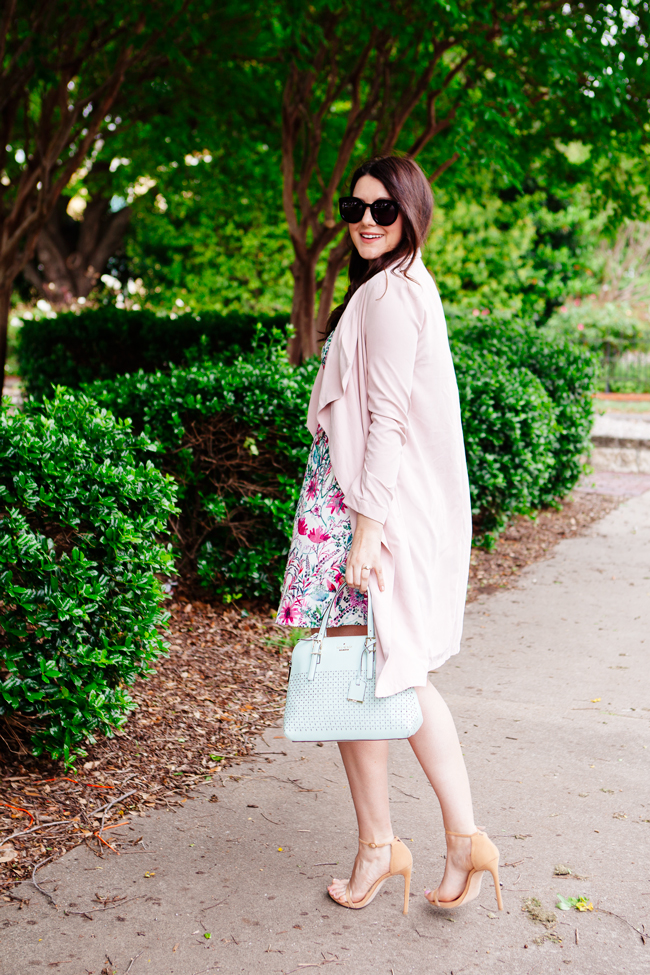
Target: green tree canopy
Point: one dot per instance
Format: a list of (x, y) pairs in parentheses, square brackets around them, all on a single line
[(503, 82), (71, 78)]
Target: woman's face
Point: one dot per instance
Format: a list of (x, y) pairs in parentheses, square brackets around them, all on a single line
[(368, 237)]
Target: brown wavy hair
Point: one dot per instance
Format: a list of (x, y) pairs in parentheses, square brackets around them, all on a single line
[(408, 186)]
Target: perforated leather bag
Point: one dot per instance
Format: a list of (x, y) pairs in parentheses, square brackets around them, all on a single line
[(331, 694)]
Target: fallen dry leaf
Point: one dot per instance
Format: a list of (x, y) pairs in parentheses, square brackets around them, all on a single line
[(7, 853)]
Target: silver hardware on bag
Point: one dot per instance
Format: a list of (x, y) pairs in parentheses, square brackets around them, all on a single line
[(331, 695)]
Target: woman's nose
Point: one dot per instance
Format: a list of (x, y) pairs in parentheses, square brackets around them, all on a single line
[(367, 220)]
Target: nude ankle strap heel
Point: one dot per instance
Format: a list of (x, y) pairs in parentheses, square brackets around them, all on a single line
[(401, 864), (485, 856)]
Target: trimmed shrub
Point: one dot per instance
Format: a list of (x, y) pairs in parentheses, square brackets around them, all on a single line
[(567, 373), (510, 438), (81, 506), (233, 436), (105, 342)]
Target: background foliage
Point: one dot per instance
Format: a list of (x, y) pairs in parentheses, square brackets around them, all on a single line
[(598, 326), (566, 373)]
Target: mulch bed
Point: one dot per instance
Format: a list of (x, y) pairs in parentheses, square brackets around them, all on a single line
[(221, 685)]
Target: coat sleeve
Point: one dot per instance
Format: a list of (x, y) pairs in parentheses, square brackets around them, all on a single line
[(393, 321)]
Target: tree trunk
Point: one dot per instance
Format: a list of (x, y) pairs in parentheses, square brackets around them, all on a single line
[(71, 255), (336, 261), (304, 342), (309, 326), (5, 304)]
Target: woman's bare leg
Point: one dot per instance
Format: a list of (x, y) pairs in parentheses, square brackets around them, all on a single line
[(366, 765), (438, 751)]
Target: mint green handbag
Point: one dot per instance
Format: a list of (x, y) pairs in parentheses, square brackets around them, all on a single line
[(331, 693)]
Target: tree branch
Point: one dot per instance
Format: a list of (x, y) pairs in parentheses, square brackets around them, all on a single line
[(412, 96), (357, 117), (437, 173)]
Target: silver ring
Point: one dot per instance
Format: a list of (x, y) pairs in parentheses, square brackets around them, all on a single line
[(369, 567)]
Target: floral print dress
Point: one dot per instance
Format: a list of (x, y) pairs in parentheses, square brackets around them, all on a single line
[(322, 536)]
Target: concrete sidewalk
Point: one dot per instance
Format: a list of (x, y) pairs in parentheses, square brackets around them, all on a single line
[(550, 695)]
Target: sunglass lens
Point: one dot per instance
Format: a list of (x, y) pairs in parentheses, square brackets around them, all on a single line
[(351, 210), (384, 212)]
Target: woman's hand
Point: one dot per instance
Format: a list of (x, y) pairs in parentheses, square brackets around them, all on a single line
[(365, 554)]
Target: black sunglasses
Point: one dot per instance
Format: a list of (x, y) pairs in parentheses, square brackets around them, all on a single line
[(384, 212)]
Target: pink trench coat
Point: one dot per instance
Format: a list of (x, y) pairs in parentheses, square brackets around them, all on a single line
[(388, 400)]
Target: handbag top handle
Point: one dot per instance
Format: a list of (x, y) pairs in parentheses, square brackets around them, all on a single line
[(322, 633)]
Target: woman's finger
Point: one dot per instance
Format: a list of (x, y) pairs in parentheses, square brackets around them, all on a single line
[(365, 576), (380, 578)]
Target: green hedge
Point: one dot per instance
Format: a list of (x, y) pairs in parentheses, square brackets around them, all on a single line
[(81, 506), (106, 342), (233, 436), (510, 435), (567, 373)]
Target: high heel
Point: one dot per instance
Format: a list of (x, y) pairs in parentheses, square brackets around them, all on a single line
[(485, 856), (401, 863)]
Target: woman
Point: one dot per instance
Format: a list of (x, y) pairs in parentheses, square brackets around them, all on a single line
[(385, 504)]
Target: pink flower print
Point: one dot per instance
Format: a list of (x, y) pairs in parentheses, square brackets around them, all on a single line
[(302, 526), (317, 535), (288, 612), (312, 489), (336, 503)]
